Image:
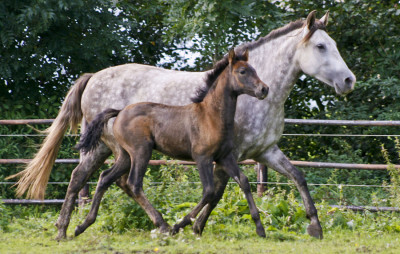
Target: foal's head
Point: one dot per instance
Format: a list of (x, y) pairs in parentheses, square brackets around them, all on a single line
[(245, 76)]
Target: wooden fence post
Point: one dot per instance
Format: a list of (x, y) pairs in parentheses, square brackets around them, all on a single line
[(262, 178)]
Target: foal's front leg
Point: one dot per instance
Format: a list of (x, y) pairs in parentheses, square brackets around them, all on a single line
[(231, 167), (205, 167)]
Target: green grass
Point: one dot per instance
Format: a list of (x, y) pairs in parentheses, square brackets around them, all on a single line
[(123, 227), (216, 239)]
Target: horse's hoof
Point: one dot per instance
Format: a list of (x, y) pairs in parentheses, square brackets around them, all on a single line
[(79, 230), (61, 236), (315, 230)]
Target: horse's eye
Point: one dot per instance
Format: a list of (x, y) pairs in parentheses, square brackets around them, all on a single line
[(242, 72), (321, 46)]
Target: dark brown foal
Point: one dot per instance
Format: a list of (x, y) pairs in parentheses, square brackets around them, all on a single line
[(202, 131)]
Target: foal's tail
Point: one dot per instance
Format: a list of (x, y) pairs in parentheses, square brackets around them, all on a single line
[(90, 139), (34, 178)]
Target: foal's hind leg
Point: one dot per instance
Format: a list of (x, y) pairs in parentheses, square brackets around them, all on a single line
[(229, 164), (221, 179), (108, 177), (139, 162), (206, 176), (87, 165)]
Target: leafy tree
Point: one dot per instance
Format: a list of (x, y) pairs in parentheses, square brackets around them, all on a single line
[(211, 27), (46, 44)]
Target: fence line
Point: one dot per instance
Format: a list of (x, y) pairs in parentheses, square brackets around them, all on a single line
[(246, 162), (61, 201), (308, 164), (284, 134), (287, 121), (339, 185)]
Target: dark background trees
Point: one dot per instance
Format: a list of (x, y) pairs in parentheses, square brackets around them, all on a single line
[(46, 44)]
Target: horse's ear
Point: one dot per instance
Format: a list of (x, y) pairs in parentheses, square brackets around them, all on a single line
[(311, 19), (325, 18), (231, 56), (246, 55)]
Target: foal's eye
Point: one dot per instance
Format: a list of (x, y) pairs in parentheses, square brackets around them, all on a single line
[(321, 46), (242, 72)]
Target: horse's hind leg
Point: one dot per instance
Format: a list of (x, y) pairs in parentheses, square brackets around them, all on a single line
[(229, 164), (106, 179), (206, 176), (139, 162), (87, 165), (220, 181)]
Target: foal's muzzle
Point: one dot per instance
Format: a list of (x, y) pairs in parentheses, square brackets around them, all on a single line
[(262, 91)]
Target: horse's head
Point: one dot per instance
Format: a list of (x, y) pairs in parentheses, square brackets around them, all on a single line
[(245, 76), (318, 56)]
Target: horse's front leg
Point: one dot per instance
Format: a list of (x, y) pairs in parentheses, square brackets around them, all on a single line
[(231, 167), (205, 167), (275, 159), (88, 164)]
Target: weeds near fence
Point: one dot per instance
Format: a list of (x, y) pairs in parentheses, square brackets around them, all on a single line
[(394, 175)]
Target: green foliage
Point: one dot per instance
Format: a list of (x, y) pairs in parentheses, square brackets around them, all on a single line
[(212, 27), (46, 44), (5, 216), (394, 176)]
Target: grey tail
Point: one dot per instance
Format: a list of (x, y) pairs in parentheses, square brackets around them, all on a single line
[(90, 139)]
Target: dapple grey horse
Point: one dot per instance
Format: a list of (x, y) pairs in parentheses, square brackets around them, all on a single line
[(280, 57)]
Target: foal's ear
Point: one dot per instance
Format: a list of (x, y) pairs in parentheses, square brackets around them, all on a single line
[(231, 56), (311, 19), (325, 18), (246, 55)]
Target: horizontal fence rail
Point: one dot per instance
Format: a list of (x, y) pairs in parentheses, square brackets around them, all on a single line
[(287, 121), (61, 201), (307, 164)]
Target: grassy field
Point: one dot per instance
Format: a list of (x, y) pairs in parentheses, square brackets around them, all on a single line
[(37, 236), (123, 227)]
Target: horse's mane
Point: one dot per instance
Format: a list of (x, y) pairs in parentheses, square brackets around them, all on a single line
[(283, 31), (212, 76), (220, 66)]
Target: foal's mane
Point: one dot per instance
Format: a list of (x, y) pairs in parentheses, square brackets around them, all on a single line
[(212, 77)]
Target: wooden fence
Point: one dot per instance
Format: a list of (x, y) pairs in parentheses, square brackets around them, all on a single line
[(261, 170)]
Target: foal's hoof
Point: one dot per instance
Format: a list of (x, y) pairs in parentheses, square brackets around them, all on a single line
[(261, 232), (165, 228), (315, 230), (197, 229), (175, 229)]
